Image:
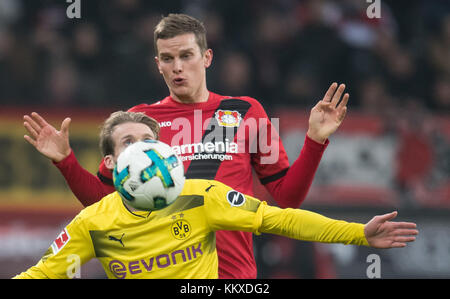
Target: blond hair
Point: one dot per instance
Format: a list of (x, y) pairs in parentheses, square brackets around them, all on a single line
[(120, 117)]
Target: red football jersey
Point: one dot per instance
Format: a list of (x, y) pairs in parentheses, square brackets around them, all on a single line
[(221, 139), (205, 136)]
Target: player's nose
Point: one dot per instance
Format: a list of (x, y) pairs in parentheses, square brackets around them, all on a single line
[(177, 66)]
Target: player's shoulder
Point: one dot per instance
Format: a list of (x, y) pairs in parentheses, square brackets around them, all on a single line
[(203, 187), (247, 99), (254, 105), (149, 106), (217, 194), (105, 208), (195, 186), (139, 108)]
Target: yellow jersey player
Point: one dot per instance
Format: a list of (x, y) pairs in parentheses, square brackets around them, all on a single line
[(179, 240)]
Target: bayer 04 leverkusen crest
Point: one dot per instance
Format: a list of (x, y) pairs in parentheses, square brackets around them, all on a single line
[(228, 118)]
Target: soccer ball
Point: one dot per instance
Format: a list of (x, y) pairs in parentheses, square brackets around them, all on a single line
[(148, 175)]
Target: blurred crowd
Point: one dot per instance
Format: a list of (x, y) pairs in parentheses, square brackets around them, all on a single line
[(282, 52)]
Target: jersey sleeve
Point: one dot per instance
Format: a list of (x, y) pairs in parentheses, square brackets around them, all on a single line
[(287, 184), (87, 187), (71, 249), (227, 209), (289, 188), (309, 226)]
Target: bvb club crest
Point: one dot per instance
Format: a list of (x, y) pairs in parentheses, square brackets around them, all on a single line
[(181, 229)]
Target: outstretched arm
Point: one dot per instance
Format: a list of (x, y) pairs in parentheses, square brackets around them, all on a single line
[(54, 145), (258, 217), (310, 226), (327, 115)]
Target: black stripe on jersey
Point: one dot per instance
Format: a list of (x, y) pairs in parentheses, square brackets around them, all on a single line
[(183, 203), (207, 169), (274, 177), (104, 179)]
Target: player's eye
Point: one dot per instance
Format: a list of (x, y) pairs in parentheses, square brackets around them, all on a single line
[(166, 59), (128, 142), (185, 56)]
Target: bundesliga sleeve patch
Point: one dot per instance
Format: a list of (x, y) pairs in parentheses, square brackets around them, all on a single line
[(236, 199), (61, 241)]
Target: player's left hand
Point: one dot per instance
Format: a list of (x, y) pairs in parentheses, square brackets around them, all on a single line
[(328, 114), (380, 232)]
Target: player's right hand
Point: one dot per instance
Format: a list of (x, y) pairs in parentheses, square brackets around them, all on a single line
[(46, 139)]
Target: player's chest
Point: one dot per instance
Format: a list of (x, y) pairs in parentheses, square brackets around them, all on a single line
[(156, 235), (207, 139), (193, 125), (158, 245)]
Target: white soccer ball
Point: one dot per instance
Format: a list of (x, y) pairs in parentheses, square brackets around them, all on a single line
[(148, 175)]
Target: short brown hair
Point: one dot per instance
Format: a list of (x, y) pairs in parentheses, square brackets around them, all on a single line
[(120, 117), (178, 24)]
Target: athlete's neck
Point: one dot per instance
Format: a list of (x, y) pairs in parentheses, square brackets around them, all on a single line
[(135, 211), (194, 99), (130, 208)]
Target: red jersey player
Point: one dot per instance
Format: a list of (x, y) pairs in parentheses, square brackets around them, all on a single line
[(218, 137)]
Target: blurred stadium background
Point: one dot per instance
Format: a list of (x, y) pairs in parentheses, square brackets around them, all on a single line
[(392, 152)]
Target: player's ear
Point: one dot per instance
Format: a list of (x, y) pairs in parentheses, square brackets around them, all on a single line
[(208, 56), (157, 64), (109, 162)]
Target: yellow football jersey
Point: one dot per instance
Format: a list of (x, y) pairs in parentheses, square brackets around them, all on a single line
[(179, 240)]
